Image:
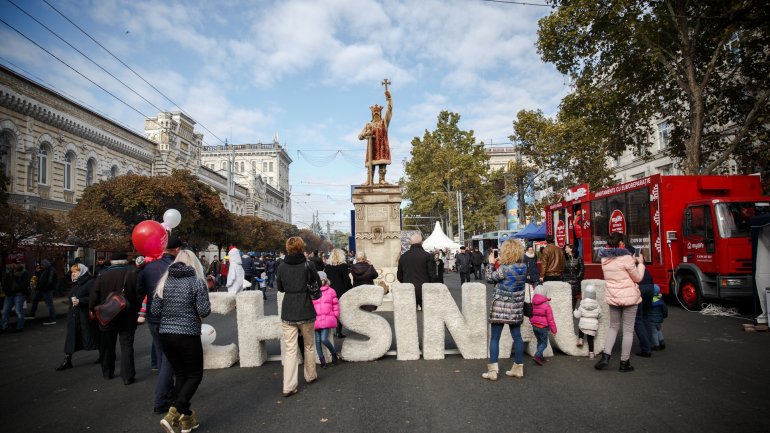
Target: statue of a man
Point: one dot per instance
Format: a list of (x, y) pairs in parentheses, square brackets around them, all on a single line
[(376, 134)]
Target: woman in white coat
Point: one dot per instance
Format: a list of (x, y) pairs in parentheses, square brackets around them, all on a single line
[(235, 274)]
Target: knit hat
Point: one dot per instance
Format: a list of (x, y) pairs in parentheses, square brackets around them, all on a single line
[(120, 255), (589, 292), (322, 275), (541, 290), (173, 242), (139, 260)]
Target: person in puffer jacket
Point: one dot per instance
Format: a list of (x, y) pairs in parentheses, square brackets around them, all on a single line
[(507, 307), (573, 272), (327, 313), (542, 321), (622, 274), (588, 312)]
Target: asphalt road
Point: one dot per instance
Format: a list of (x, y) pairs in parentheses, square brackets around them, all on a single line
[(711, 377)]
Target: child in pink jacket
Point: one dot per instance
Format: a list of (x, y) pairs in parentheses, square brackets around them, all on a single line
[(327, 312), (542, 321)]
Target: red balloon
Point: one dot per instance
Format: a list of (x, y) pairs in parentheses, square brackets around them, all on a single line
[(149, 238)]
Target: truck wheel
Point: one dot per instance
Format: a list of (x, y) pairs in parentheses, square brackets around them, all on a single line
[(690, 294)]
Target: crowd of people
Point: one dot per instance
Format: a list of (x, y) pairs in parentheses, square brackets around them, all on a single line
[(171, 295), (634, 301)]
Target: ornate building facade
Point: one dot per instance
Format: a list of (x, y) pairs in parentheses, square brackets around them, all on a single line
[(261, 168), (52, 148)]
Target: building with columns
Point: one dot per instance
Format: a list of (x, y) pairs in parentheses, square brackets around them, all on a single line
[(261, 168)]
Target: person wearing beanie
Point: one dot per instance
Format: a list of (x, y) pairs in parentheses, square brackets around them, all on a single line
[(541, 320), (81, 332), (119, 277), (588, 312), (327, 313)]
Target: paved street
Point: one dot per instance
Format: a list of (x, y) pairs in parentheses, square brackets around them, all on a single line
[(712, 377)]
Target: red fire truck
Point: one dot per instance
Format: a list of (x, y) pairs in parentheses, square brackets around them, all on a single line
[(692, 231)]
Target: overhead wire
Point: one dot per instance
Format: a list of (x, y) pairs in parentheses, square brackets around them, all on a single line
[(130, 69)]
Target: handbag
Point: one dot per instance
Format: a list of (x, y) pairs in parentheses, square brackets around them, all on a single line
[(528, 305), (313, 289), (112, 305)]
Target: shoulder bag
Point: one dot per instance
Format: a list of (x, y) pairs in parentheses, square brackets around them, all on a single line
[(112, 305), (527, 305), (313, 289)]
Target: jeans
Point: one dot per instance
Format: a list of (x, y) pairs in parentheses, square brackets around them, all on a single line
[(322, 337), (542, 339), (270, 276), (579, 246), (185, 353), (48, 297), (164, 387), (494, 343), (657, 334), (477, 271), (10, 302), (642, 323), (109, 339), (290, 358)]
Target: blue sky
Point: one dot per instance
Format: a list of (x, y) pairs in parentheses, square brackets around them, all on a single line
[(304, 70)]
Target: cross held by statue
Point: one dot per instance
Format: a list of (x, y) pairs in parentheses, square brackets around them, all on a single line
[(385, 83)]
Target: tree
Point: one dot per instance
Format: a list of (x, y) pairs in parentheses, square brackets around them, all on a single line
[(558, 153), (444, 161), (23, 227), (108, 211), (701, 66)]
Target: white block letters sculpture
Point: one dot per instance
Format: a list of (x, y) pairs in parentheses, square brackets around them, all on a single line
[(363, 322), (405, 321), (220, 356), (467, 328), (254, 328)]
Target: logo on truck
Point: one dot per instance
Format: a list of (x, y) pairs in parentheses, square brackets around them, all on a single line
[(561, 234), (695, 246), (617, 222)]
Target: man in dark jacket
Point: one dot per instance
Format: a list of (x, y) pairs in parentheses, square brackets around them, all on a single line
[(16, 289), (146, 283), (46, 284), (117, 278), (642, 325), (416, 266), (247, 263), (477, 260), (317, 261), (463, 264)]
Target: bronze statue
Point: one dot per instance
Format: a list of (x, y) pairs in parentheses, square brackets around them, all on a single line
[(376, 134)]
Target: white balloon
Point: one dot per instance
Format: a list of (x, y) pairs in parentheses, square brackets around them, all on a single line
[(208, 334), (172, 218)]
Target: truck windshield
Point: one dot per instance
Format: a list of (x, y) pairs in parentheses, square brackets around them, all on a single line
[(733, 218)]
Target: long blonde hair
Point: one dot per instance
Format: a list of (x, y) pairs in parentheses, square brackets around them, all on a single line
[(337, 257), (188, 258)]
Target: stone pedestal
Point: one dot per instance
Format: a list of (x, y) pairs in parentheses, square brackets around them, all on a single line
[(378, 228)]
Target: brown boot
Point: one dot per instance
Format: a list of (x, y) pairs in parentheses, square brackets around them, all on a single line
[(171, 420), (188, 422), (491, 373)]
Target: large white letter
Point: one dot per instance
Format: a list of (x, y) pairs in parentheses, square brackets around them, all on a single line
[(561, 304), (365, 323), (468, 328), (220, 356), (405, 321), (254, 328)]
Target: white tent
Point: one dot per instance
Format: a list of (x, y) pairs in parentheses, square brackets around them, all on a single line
[(438, 240)]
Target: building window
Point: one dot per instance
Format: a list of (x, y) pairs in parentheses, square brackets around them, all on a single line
[(664, 135), (5, 153), (242, 167), (270, 167), (665, 170), (264, 166), (224, 166), (90, 170), (114, 172), (42, 164), (68, 171), (253, 165)]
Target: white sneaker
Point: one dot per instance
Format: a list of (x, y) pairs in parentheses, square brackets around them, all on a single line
[(50, 322), (761, 319)]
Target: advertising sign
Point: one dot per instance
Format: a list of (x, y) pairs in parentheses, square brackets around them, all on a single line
[(617, 222), (512, 212), (561, 233)]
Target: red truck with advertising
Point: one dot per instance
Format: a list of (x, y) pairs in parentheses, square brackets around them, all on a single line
[(693, 231)]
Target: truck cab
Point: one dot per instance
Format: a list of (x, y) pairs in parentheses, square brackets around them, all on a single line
[(716, 250)]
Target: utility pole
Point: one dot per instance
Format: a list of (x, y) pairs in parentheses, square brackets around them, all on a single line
[(460, 220)]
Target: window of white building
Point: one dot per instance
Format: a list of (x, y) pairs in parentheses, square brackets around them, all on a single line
[(664, 135), (264, 166), (68, 171), (114, 172), (90, 170), (5, 153), (42, 164)]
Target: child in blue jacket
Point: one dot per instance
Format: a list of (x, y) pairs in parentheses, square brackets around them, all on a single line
[(658, 314)]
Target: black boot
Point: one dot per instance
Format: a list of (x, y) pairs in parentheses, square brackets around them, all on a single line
[(67, 364), (625, 366), (335, 359), (604, 362)]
